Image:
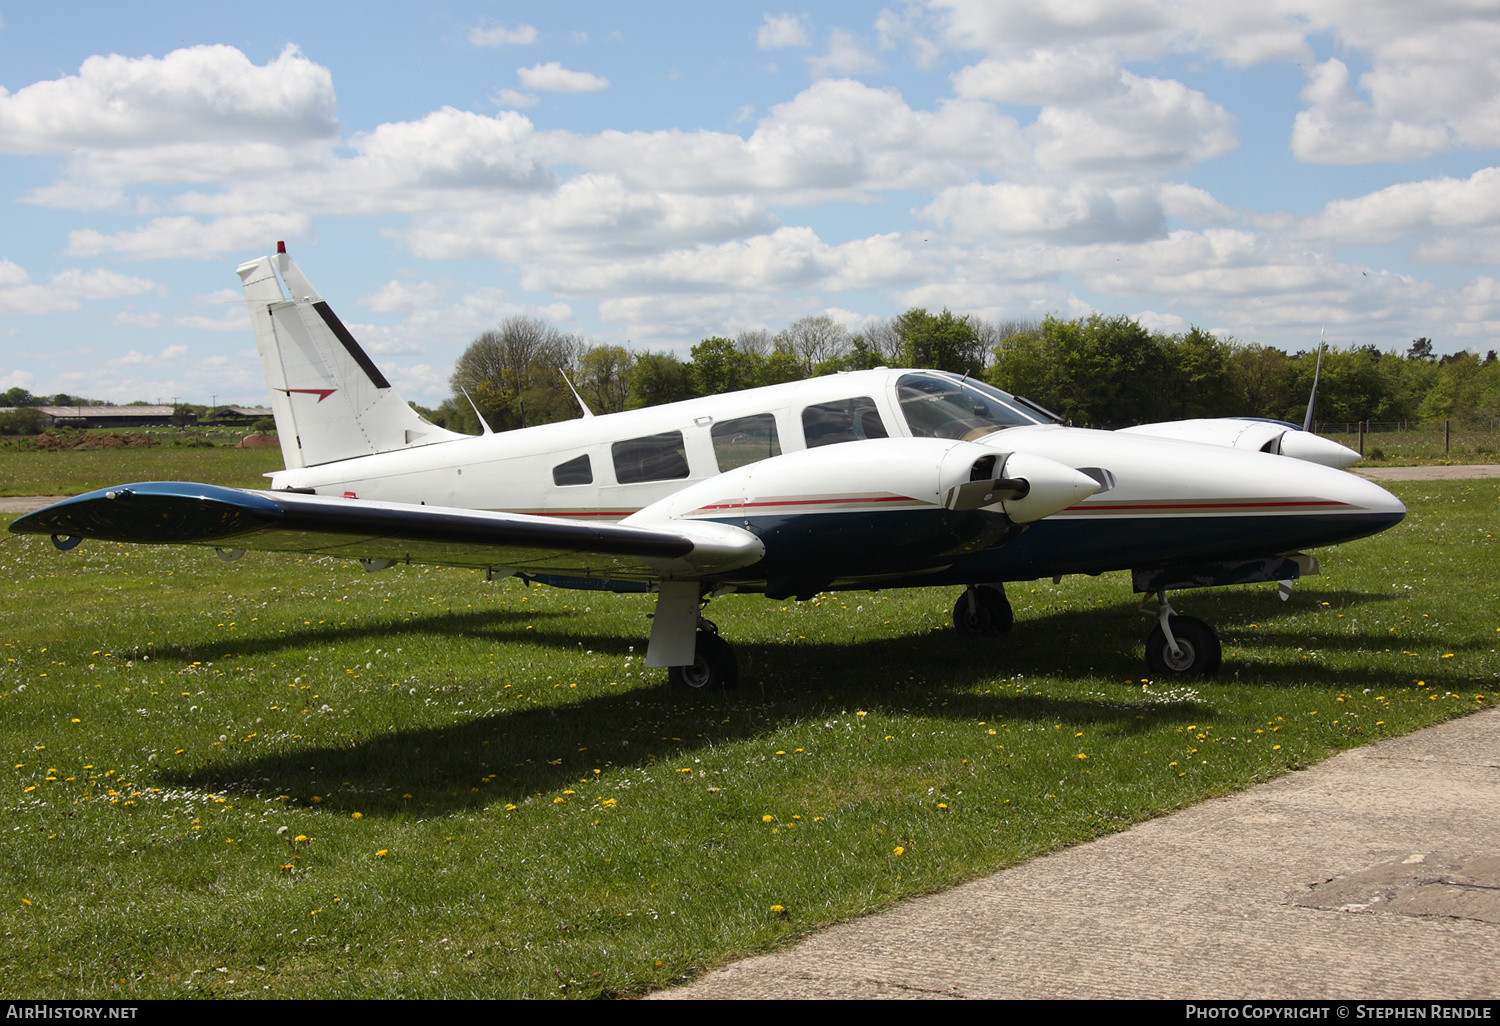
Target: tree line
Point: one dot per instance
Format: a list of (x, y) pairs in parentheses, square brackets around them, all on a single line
[(1097, 371)]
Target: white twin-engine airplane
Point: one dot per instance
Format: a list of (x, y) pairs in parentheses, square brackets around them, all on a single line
[(865, 480)]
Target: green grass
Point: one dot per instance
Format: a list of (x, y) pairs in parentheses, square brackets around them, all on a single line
[(39, 472), (1423, 448), (495, 799)]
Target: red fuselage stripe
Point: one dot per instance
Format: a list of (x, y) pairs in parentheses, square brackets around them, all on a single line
[(1090, 507), (809, 502)]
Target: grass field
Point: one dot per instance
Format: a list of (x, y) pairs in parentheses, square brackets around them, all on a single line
[(1423, 447), (290, 778), (36, 472)]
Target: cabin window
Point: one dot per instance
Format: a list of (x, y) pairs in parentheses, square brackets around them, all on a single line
[(847, 420), (746, 440), (573, 472), (938, 407), (652, 458)]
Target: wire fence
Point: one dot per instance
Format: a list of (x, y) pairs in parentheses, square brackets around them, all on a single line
[(1381, 440)]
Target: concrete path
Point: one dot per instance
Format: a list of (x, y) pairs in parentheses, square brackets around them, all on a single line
[(1375, 874), (1458, 472)]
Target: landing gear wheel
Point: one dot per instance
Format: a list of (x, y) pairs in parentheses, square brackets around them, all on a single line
[(713, 668), (1198, 644), (990, 615)]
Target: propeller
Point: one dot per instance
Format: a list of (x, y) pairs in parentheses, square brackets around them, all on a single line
[(1312, 400)]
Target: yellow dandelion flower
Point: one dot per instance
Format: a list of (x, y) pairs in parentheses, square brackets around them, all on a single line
[(382, 853), (767, 819), (1082, 756), (898, 850), (357, 815)]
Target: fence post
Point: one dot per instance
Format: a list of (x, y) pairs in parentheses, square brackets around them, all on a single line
[(1361, 438), (1445, 436)]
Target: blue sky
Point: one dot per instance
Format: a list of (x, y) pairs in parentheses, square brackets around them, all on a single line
[(655, 174)]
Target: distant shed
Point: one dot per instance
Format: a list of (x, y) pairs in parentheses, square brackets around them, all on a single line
[(242, 414), (108, 416)]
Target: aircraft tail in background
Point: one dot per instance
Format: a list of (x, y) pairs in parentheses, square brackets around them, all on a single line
[(330, 400)]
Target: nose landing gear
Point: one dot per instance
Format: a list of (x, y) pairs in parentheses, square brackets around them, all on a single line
[(1182, 646)]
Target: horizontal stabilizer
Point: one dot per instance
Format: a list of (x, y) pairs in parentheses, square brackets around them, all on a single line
[(180, 513)]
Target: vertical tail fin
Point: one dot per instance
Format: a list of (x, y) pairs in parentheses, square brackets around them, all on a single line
[(330, 400)]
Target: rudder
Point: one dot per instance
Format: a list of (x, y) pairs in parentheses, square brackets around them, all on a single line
[(330, 400)]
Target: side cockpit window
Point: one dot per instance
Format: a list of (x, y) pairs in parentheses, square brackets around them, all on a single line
[(941, 407), (745, 440), (573, 472), (847, 420), (652, 458)]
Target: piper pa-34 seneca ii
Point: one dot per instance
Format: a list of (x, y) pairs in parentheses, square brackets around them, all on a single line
[(864, 480)]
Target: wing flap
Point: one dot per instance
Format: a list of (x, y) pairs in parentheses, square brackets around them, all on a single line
[(180, 513)]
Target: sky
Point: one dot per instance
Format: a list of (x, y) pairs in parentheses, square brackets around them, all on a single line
[(655, 174)]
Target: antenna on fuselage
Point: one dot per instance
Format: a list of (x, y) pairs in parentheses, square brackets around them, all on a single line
[(581, 404), (475, 406), (1312, 400)]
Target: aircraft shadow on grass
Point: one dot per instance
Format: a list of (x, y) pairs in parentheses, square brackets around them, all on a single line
[(505, 757)]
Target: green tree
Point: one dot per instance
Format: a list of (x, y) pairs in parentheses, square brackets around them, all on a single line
[(942, 342), (603, 378), (659, 378), (720, 365), (1198, 365), (514, 373)]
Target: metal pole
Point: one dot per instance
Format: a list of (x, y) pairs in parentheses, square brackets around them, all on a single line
[(1445, 437), (1361, 438)]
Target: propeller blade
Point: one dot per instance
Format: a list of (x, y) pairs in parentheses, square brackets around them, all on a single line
[(977, 494), (1312, 400)]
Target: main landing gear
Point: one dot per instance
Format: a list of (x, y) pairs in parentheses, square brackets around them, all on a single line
[(713, 668), (1181, 646), (983, 609)]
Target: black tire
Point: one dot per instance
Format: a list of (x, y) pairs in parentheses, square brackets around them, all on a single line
[(714, 667), (991, 614), (1199, 644)]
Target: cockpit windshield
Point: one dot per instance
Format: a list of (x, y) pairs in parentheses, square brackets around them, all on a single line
[(936, 406)]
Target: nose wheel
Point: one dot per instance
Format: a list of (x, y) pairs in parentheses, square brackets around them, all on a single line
[(983, 610), (1182, 646)]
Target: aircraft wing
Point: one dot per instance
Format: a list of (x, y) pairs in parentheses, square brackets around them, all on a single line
[(181, 513)]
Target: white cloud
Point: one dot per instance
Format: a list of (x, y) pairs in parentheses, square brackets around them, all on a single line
[(520, 35), (421, 382), (395, 295), (1041, 76), (592, 216), (844, 56), (1193, 205), (456, 323), (552, 77), (234, 319), (64, 291), (1341, 129), (132, 319), (76, 196), (782, 30), (1434, 208), (194, 94), (1061, 215), (1149, 125), (187, 237), (513, 98)]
